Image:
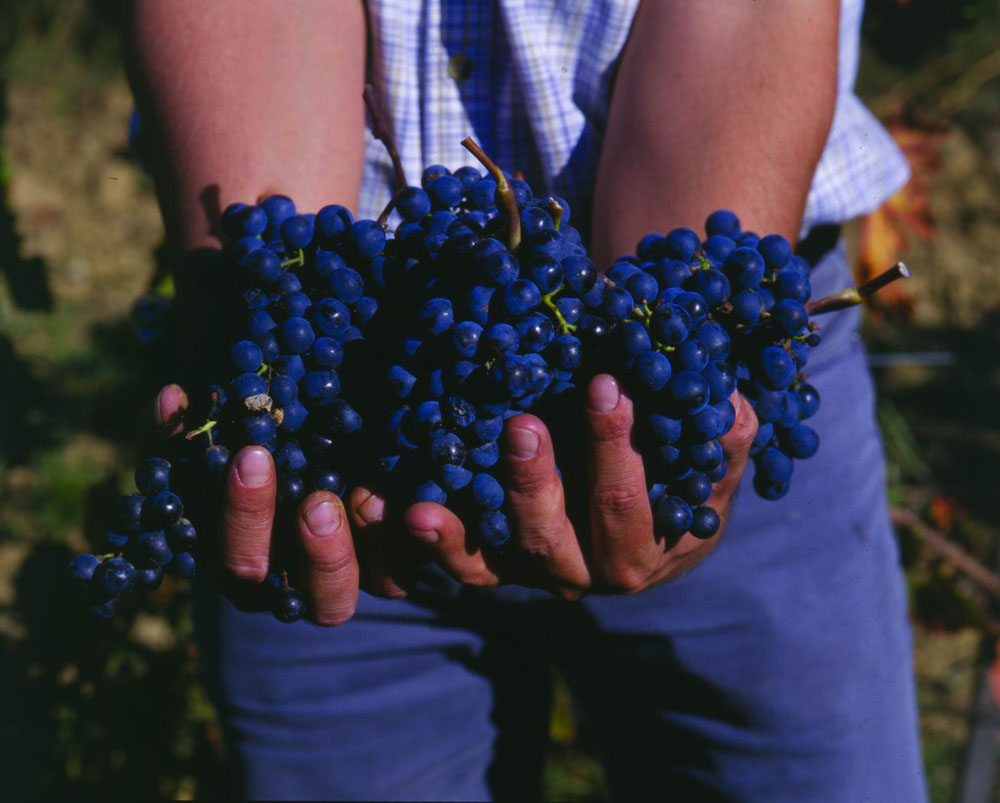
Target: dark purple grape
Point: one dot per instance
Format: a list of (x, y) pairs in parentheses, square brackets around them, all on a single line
[(152, 475), (704, 523), (162, 510), (289, 606), (82, 568), (114, 577), (672, 516)]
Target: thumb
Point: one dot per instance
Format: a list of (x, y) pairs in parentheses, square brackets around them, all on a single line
[(737, 442), (164, 416)]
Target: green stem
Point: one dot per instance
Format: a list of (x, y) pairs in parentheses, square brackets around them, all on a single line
[(297, 261), (565, 326), (556, 210), (205, 428)]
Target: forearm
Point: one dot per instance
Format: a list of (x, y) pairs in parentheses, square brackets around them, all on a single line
[(243, 98), (716, 105)]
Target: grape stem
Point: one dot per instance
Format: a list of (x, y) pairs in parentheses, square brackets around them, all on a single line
[(564, 325), (855, 295), (297, 261), (381, 132), (383, 218), (556, 210), (503, 187), (205, 428)]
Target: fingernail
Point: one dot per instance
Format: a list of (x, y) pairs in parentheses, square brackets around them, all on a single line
[(372, 510), (427, 536), (323, 520), (254, 468), (161, 398), (166, 403), (522, 443), (604, 394), (169, 407)]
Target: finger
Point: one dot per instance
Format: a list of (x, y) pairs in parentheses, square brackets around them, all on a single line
[(547, 551), (248, 515), (329, 567), (443, 537), (625, 553), (387, 563), (164, 416)]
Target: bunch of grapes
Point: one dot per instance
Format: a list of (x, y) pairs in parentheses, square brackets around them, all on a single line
[(147, 536), (474, 337), (685, 321), (481, 303)]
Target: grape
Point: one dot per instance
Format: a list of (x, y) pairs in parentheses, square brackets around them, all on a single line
[(705, 522), (240, 220), (114, 577), (297, 335), (776, 250), (278, 209), (163, 509), (681, 244), (82, 568), (521, 297), (297, 231), (263, 266), (152, 475), (722, 222), (289, 605), (413, 203), (652, 370), (494, 528), (182, 536), (672, 516)]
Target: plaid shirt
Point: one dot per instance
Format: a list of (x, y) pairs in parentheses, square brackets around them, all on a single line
[(537, 93)]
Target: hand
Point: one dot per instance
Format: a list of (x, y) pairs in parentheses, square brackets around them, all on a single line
[(327, 565), (615, 550)]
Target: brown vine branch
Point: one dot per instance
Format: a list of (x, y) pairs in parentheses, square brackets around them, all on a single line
[(503, 187), (381, 132), (855, 295), (941, 547)]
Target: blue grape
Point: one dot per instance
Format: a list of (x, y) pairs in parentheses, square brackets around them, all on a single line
[(297, 231), (152, 475), (775, 250), (413, 203), (494, 528), (297, 335), (672, 516), (722, 222)]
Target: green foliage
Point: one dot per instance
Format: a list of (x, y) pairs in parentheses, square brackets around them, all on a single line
[(911, 33)]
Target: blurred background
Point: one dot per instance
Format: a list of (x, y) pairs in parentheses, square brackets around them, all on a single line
[(118, 710)]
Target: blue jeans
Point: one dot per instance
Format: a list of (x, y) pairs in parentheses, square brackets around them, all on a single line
[(779, 669)]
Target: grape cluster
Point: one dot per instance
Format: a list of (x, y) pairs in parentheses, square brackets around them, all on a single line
[(475, 339), (146, 537), (299, 281), (685, 321), (479, 304)]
